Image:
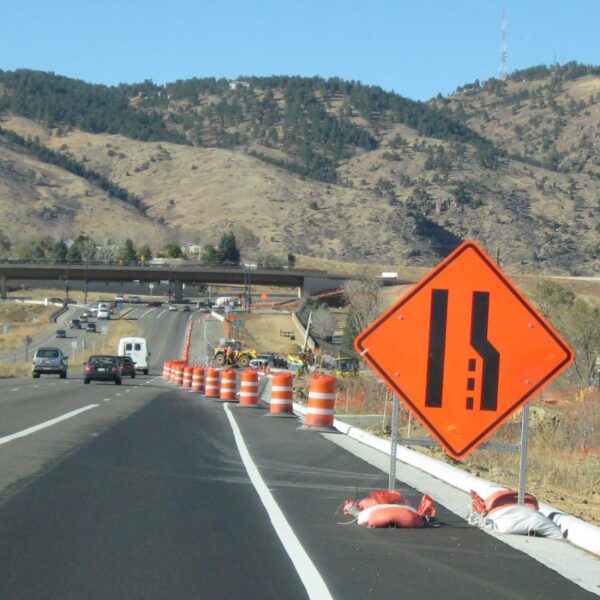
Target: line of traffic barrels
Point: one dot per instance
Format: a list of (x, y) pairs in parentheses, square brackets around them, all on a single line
[(222, 385)]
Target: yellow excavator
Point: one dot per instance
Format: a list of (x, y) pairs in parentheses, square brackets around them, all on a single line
[(345, 366)]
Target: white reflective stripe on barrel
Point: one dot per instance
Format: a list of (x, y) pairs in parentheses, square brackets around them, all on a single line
[(319, 411), (278, 401), (321, 395), (281, 388)]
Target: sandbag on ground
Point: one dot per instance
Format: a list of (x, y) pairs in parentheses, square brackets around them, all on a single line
[(501, 513), (390, 509)]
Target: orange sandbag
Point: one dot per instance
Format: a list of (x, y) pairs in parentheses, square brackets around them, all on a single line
[(381, 497), (398, 516)]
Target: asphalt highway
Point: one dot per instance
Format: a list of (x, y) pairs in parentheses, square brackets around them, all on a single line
[(153, 492)]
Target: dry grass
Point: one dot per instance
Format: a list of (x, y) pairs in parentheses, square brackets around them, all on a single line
[(24, 320), (262, 331), (20, 369)]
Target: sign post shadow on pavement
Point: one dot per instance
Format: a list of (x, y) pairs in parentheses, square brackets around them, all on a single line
[(464, 350)]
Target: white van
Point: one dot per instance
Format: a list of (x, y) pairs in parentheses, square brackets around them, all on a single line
[(137, 348), (103, 312)]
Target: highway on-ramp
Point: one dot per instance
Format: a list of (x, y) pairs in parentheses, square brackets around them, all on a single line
[(151, 492)]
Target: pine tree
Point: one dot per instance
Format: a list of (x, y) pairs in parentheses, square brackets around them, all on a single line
[(228, 251)]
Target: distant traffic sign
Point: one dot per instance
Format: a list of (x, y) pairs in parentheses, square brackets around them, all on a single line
[(464, 349)]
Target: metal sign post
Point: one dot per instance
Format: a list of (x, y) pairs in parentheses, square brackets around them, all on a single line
[(394, 452), (523, 453)]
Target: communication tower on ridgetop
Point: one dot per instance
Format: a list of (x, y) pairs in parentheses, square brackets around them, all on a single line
[(503, 52)]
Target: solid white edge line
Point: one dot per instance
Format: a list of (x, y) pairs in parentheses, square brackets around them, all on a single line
[(30, 430), (310, 577)]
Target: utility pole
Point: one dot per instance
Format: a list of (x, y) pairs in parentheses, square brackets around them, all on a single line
[(503, 50)]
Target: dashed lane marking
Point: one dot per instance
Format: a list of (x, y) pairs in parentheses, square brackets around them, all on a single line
[(106, 400), (45, 424)]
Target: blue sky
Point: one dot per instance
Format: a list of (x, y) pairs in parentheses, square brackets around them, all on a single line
[(416, 48)]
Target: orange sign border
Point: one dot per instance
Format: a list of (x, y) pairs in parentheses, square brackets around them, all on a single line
[(390, 312)]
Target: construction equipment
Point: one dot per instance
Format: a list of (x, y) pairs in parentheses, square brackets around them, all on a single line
[(346, 366), (236, 356)]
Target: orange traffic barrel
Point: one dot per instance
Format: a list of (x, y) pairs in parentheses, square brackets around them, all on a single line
[(282, 395), (198, 380), (211, 383), (174, 365), (249, 388), (187, 377), (166, 370), (321, 400), (178, 376), (228, 385)]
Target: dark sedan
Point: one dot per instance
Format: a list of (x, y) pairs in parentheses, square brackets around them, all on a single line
[(127, 366), (102, 367), (154, 303)]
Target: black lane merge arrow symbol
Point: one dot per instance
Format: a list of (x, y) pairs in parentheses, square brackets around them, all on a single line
[(483, 347), (437, 348)]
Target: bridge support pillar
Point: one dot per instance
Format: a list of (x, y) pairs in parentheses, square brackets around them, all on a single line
[(177, 290), (3, 287)]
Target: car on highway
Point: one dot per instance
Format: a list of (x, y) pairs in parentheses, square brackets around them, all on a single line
[(102, 367), (91, 327), (75, 324), (113, 305), (119, 298), (61, 333), (137, 349), (127, 366), (172, 307), (134, 299), (84, 318), (49, 361), (186, 308), (55, 300), (154, 303), (103, 312)]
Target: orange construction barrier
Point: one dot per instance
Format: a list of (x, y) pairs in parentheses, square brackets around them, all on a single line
[(249, 388), (282, 395), (166, 370), (174, 364), (228, 385), (211, 383), (178, 376), (187, 377), (321, 400), (198, 380)]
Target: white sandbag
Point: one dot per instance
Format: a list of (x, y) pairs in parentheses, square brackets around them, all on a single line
[(519, 520), (363, 517)]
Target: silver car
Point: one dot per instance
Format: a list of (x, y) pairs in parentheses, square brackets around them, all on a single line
[(49, 361)]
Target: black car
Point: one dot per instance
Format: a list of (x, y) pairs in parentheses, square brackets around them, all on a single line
[(154, 303), (61, 333), (75, 324), (102, 367), (127, 366), (91, 327)]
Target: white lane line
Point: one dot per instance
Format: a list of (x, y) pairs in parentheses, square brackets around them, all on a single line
[(310, 577), (117, 394), (15, 390), (148, 311), (35, 386), (161, 313), (30, 430), (106, 400)]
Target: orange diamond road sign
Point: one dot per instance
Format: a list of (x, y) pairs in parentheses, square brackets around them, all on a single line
[(464, 349)]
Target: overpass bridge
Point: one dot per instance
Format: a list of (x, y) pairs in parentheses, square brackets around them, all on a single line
[(306, 281)]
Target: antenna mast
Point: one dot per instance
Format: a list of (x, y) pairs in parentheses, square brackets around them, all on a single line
[(503, 51)]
